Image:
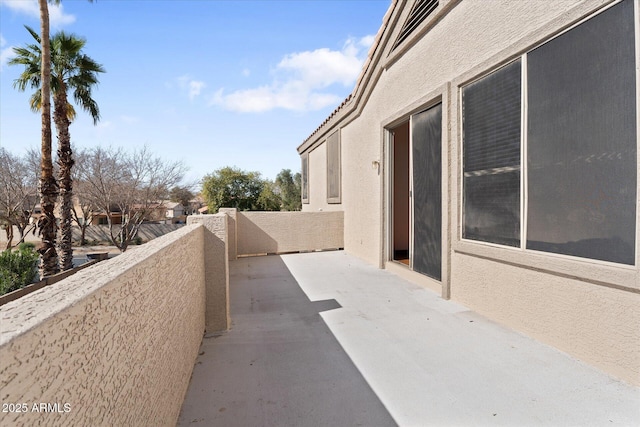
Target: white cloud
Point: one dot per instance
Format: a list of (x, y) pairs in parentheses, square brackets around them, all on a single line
[(193, 87), (246, 72), (6, 53), (302, 80), (57, 17), (266, 98), (129, 119), (367, 41), (104, 125)]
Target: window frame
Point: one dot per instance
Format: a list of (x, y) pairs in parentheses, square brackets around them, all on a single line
[(304, 177), (522, 147), (332, 199), (592, 270)]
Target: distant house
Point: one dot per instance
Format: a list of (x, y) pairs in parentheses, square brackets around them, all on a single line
[(100, 218), (174, 212), (489, 151), (195, 205)]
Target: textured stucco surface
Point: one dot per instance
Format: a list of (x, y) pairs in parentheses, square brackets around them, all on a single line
[(318, 181), (587, 309), (232, 237), (278, 232), (470, 34), (596, 324), (116, 342), (216, 269)]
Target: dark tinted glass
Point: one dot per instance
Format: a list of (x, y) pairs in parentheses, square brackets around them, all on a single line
[(582, 140), (491, 156), (426, 135)]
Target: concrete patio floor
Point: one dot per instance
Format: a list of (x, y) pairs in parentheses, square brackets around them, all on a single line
[(324, 339)]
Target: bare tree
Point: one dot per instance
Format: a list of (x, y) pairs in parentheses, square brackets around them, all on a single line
[(84, 207), (18, 193), (132, 184)]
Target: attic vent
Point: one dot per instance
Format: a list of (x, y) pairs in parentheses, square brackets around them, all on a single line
[(420, 11)]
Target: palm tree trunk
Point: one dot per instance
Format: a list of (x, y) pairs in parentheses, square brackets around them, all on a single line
[(65, 161), (47, 185)]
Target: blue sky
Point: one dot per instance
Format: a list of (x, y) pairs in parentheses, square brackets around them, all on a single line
[(210, 83)]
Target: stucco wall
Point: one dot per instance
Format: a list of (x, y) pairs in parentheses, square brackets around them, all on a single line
[(317, 180), (597, 324), (216, 269), (362, 189), (277, 232), (583, 307), (116, 342), (471, 33)]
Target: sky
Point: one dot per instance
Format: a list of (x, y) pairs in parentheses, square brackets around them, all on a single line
[(209, 83)]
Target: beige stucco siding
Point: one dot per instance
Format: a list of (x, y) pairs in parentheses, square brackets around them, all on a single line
[(317, 180), (115, 342), (599, 324), (362, 188), (587, 308), (472, 33), (279, 232)]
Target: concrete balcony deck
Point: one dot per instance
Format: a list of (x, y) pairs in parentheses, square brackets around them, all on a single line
[(323, 339)]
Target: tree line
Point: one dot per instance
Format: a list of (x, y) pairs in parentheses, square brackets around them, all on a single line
[(132, 184), (105, 181), (104, 178), (231, 187)]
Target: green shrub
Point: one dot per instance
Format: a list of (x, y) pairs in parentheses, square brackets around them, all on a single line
[(17, 268), (26, 246)]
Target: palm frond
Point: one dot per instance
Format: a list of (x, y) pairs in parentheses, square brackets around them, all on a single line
[(35, 101), (71, 70), (71, 112), (34, 34)]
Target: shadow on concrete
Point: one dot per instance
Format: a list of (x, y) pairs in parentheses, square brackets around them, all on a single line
[(279, 365)]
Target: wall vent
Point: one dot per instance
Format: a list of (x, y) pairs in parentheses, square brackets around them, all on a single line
[(420, 11)]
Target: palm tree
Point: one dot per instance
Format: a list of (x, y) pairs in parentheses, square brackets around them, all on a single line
[(71, 70), (48, 188)]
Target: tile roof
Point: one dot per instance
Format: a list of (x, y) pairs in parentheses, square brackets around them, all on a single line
[(366, 68)]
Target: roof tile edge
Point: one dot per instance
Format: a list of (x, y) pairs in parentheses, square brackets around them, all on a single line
[(365, 70)]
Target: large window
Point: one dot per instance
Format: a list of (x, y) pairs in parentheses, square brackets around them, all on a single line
[(492, 110), (580, 142)]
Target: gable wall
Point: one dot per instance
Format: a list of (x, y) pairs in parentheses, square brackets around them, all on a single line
[(470, 34), (581, 307)]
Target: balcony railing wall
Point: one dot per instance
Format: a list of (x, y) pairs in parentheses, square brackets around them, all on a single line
[(257, 233), (115, 344)]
